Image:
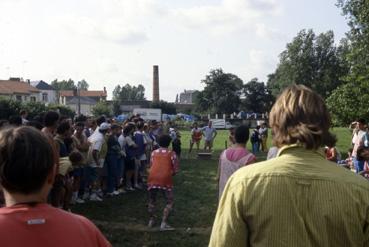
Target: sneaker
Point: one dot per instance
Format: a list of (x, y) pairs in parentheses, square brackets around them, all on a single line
[(130, 189), (122, 191), (116, 193), (100, 193), (94, 197), (85, 196), (151, 223), (79, 201), (110, 194), (139, 187), (166, 227)]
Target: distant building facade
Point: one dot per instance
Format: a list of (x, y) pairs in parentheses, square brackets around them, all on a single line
[(86, 99), (187, 97), (47, 92), (17, 89)]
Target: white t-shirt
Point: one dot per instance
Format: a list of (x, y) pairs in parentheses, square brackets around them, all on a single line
[(208, 133), (122, 143), (96, 140)]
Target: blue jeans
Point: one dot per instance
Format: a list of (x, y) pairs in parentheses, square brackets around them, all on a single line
[(255, 147), (112, 172), (359, 165)]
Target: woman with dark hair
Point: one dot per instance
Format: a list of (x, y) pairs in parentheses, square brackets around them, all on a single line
[(235, 157)]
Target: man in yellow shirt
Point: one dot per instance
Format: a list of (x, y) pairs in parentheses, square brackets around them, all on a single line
[(298, 198)]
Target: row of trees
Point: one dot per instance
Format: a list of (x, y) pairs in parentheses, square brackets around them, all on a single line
[(69, 84), (340, 73), (10, 107)]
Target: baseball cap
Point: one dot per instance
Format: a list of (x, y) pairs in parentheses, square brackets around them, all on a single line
[(104, 126)]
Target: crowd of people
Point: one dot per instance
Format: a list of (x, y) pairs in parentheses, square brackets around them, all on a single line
[(297, 196), (98, 158)]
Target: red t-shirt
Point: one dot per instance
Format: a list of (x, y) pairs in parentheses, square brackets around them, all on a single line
[(43, 225)]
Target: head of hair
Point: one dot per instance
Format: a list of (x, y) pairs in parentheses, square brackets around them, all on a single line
[(15, 120), (3, 123), (63, 128), (26, 159), (100, 120), (361, 121), (51, 118), (128, 128), (80, 124), (242, 134), (140, 125), (23, 112), (75, 157), (80, 118), (300, 116), (114, 126), (164, 141), (35, 124)]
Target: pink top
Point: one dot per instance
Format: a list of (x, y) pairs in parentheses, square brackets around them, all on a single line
[(230, 161)]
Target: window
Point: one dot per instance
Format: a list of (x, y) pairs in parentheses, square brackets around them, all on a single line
[(33, 99), (44, 97), (25, 98), (18, 97)]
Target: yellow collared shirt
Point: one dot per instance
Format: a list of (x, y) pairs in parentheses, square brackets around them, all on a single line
[(296, 199)]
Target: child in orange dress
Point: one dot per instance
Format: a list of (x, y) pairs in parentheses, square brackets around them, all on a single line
[(163, 166)]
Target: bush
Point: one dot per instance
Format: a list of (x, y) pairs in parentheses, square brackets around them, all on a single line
[(102, 108)]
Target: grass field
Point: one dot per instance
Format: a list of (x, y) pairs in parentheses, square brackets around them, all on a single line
[(123, 219)]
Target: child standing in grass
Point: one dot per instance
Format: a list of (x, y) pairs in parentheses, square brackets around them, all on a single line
[(163, 166)]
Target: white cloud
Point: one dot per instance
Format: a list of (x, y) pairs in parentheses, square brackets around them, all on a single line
[(226, 17)]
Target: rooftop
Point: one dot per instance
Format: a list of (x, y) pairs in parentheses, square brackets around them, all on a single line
[(19, 87), (83, 93)]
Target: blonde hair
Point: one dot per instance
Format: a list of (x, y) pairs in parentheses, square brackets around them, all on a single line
[(300, 116)]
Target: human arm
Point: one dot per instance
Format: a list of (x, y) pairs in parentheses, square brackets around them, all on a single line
[(175, 163), (215, 133)]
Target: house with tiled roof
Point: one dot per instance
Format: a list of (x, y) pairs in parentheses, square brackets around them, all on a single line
[(87, 99), (48, 93), (16, 89)]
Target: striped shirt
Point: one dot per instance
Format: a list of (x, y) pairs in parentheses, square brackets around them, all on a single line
[(296, 199)]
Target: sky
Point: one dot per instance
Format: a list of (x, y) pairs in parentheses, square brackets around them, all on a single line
[(111, 42)]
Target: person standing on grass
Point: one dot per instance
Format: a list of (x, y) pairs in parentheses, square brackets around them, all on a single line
[(27, 219), (209, 133), (298, 198), (96, 160), (234, 157), (255, 140), (196, 136), (113, 159), (263, 137), (163, 166), (358, 142)]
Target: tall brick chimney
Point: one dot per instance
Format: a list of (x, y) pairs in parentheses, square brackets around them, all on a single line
[(155, 84)]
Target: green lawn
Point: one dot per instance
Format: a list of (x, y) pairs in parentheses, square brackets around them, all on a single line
[(123, 219)]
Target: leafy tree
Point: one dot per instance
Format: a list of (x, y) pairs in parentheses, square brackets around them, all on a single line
[(357, 13), (62, 109), (9, 108), (166, 107), (63, 85), (128, 92), (349, 102), (312, 60), (258, 98), (34, 108), (102, 108), (221, 93), (83, 84)]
